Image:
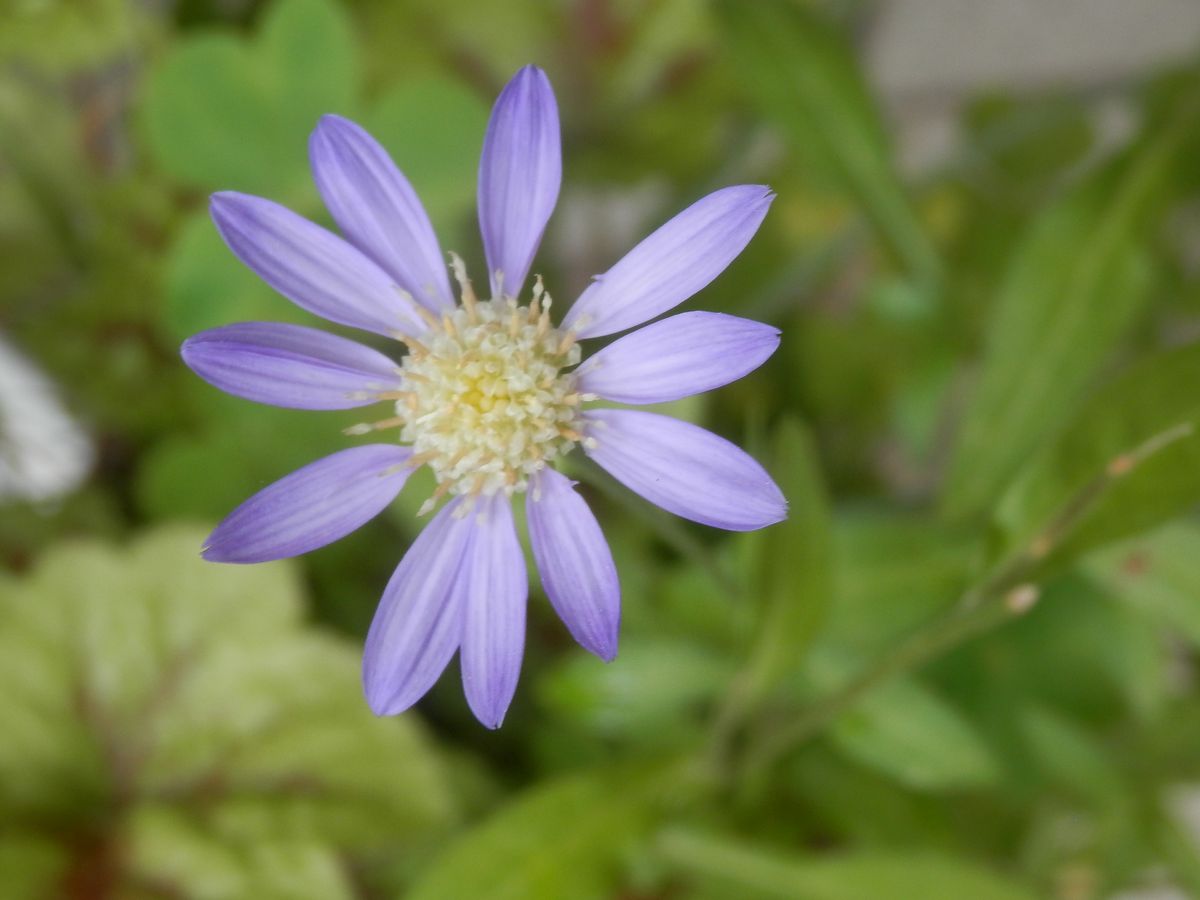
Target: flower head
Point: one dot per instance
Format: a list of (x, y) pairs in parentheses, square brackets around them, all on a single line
[(489, 394)]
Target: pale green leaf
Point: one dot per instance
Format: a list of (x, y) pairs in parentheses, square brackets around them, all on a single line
[(148, 679)]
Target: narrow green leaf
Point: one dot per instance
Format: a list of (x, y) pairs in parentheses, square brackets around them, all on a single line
[(805, 77), (796, 568), (1152, 403), (1073, 287), (560, 839), (750, 871), (906, 731)]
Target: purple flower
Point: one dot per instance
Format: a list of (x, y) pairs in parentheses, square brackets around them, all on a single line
[(489, 394)]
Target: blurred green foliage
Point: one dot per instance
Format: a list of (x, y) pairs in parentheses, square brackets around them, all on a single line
[(964, 667)]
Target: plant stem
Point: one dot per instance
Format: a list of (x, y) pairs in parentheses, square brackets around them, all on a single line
[(1003, 595)]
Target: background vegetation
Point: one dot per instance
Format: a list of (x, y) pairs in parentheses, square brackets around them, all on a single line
[(964, 668)]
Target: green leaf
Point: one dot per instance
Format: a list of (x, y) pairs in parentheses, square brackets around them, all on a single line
[(207, 286), (1074, 285), (30, 868), (433, 129), (185, 702), (224, 113), (1157, 575), (795, 579), (1151, 406), (804, 75), (750, 871), (561, 839), (1068, 755), (895, 571), (908, 732), (657, 684)]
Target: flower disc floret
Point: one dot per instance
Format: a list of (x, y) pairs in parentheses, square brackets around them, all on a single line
[(486, 402)]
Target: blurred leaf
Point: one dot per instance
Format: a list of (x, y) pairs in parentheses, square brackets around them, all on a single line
[(908, 732), (1156, 574), (560, 839), (1073, 286), (795, 581), (1153, 399), (806, 78), (30, 868), (243, 448), (1068, 755), (65, 36), (207, 286), (223, 113), (433, 128), (894, 572), (753, 871), (181, 703), (171, 848), (645, 696)]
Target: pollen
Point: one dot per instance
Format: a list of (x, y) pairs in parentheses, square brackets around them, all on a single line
[(486, 401)]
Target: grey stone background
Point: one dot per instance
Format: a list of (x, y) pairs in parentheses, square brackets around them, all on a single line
[(927, 56)]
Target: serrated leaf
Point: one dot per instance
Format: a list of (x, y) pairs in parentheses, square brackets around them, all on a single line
[(146, 680), (805, 77), (1072, 288), (1154, 400), (561, 839), (752, 871)]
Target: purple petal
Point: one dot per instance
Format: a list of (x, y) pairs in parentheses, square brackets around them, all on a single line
[(312, 267), (419, 622), (378, 210), (575, 563), (673, 263), (519, 176), (313, 506), (493, 639), (677, 357), (685, 469), (289, 365)]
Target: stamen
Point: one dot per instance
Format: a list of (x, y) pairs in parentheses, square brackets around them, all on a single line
[(368, 427), (465, 288), (413, 345), (429, 318), (483, 399)]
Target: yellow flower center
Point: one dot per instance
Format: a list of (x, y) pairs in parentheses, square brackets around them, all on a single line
[(485, 401)]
